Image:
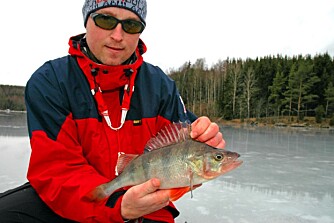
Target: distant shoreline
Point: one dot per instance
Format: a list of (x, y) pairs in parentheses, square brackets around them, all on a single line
[(8, 111), (307, 123)]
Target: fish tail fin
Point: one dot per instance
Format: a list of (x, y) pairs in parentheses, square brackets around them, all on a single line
[(103, 191), (97, 194)]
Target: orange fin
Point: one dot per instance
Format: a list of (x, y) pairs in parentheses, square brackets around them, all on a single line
[(177, 193)]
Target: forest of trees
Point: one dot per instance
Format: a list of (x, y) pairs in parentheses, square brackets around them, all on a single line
[(273, 86), (12, 98)]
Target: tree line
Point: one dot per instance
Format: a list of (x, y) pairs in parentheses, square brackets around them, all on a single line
[(12, 98), (272, 86)]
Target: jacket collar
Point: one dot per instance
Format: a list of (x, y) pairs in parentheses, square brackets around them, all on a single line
[(107, 77)]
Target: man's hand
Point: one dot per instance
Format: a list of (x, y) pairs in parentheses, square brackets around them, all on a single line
[(206, 131), (144, 199)]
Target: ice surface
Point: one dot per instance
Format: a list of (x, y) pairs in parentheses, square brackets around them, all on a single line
[(287, 176)]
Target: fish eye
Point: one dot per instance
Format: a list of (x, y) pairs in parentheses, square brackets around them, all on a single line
[(219, 156)]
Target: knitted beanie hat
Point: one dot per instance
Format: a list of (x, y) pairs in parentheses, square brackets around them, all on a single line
[(139, 7)]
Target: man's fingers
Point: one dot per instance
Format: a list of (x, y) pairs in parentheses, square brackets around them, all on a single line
[(221, 145), (143, 199), (217, 141), (199, 126), (148, 187), (204, 130)]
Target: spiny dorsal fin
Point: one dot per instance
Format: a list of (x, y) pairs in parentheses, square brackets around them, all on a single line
[(169, 135)]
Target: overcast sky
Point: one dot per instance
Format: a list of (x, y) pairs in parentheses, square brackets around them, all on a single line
[(177, 31)]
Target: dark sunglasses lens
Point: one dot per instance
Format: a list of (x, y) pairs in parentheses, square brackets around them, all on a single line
[(132, 26), (105, 22)]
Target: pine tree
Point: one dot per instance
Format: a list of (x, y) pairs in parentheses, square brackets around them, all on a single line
[(329, 96), (276, 92)]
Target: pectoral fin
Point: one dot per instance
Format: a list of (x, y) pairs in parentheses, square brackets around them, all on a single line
[(123, 161)]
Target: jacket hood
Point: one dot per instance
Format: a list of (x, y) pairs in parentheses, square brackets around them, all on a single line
[(108, 77)]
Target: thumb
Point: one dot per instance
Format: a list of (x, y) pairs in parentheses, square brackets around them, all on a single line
[(151, 186)]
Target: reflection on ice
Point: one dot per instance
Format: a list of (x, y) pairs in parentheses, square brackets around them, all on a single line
[(287, 176), (13, 124), (14, 153), (228, 202)]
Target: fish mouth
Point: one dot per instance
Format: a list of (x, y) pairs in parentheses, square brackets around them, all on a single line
[(231, 166)]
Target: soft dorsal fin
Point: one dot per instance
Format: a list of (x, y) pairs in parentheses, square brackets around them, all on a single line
[(169, 135)]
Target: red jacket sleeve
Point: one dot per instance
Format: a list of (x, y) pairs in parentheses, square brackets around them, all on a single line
[(58, 170)]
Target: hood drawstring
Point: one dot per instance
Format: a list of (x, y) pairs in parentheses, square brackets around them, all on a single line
[(129, 88)]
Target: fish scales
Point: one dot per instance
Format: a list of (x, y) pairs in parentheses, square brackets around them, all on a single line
[(160, 163), (178, 171), (167, 163)]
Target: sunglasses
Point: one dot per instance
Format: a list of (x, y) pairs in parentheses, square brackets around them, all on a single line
[(109, 22)]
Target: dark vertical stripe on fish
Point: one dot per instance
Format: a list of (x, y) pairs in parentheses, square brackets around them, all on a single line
[(145, 163)]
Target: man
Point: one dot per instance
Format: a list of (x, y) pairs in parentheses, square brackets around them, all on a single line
[(86, 108)]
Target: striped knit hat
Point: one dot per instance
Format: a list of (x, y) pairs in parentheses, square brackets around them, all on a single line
[(139, 7)]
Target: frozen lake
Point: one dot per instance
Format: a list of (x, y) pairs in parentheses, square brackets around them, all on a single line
[(14, 150), (287, 175)]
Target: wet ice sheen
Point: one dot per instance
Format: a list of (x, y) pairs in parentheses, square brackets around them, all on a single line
[(287, 176)]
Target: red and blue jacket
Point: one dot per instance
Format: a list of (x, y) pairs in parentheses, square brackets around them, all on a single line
[(73, 148)]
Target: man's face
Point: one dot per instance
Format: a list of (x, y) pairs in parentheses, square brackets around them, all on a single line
[(112, 47)]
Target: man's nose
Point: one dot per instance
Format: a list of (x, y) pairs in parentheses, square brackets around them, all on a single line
[(117, 33)]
